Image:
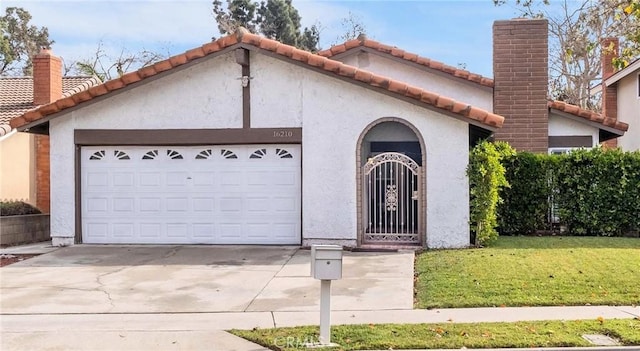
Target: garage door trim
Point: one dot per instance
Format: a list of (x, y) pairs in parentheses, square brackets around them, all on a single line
[(186, 137)]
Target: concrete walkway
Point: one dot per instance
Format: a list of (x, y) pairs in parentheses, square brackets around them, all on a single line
[(205, 331), (183, 298)]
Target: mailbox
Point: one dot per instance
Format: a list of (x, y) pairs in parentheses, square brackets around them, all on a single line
[(326, 262)]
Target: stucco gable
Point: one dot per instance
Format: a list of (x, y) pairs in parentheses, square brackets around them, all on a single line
[(361, 43), (243, 39)]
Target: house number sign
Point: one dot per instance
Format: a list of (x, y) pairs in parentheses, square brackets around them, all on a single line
[(282, 134)]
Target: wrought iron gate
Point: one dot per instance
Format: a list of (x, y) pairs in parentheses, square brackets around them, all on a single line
[(391, 205)]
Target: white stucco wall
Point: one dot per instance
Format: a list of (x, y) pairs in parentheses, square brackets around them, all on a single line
[(629, 111), (454, 88), (563, 126), (332, 114)]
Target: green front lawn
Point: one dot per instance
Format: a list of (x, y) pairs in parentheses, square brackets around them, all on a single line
[(531, 271), (449, 335)]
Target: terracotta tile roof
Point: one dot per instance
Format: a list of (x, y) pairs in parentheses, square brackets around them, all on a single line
[(363, 42), (588, 115), (247, 40), (16, 93)]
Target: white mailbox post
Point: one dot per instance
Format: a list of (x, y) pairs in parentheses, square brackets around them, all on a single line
[(326, 265)]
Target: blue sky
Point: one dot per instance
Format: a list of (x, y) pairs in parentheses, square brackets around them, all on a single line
[(454, 32)]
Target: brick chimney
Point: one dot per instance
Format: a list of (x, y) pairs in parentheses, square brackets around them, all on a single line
[(47, 87), (520, 70), (610, 50), (47, 78)]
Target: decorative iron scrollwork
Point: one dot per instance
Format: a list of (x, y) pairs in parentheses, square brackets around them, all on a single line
[(391, 198)]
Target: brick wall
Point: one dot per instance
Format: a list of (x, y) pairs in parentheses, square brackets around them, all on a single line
[(520, 70), (42, 173), (609, 94), (47, 87)]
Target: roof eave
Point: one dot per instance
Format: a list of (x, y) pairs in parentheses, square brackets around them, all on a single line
[(441, 104), (623, 73), (579, 119)]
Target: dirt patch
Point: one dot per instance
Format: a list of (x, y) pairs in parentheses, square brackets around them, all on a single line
[(7, 259)]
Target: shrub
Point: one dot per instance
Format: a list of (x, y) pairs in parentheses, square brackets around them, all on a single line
[(17, 208), (525, 203), (486, 178), (599, 192), (595, 192)]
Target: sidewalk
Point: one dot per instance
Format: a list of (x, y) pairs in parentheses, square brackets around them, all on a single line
[(205, 331)]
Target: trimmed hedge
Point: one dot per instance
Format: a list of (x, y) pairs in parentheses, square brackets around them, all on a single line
[(599, 192), (596, 192), (525, 205), (17, 208)]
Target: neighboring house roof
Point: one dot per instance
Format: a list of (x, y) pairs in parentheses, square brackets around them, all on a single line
[(244, 39), (16, 95), (362, 43), (632, 67), (607, 123)]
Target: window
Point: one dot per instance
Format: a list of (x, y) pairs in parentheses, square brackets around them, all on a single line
[(260, 153)]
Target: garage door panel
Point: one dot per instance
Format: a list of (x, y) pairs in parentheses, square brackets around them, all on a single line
[(177, 230), (285, 204), (124, 204), (150, 230), (231, 179), (204, 230), (123, 230), (231, 205), (98, 230), (258, 230), (150, 205), (285, 230), (204, 204), (257, 204), (149, 179), (97, 180), (212, 195), (204, 179), (97, 205), (177, 204)]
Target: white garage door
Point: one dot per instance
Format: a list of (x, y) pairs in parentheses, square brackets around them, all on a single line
[(248, 194)]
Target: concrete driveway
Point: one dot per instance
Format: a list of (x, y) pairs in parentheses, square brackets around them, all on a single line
[(90, 279)]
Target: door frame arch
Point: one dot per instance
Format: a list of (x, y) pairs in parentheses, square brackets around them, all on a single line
[(422, 225)]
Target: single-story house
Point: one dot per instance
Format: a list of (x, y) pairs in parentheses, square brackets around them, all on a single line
[(246, 140)]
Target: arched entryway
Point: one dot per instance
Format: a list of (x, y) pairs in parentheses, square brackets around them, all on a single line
[(391, 184)]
